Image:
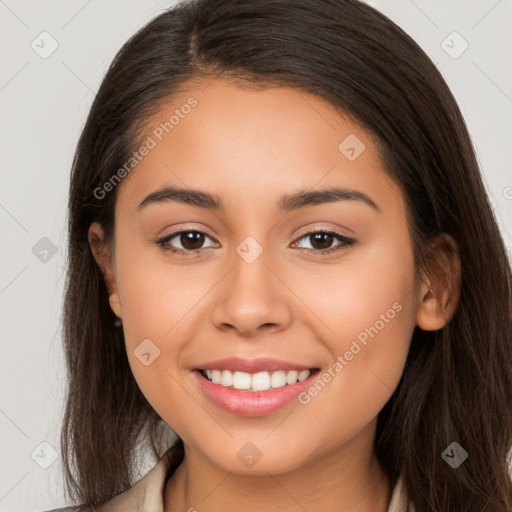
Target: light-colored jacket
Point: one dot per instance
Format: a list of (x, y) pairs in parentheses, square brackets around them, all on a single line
[(146, 495)]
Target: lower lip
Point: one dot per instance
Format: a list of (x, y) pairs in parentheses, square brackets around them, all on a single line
[(252, 403)]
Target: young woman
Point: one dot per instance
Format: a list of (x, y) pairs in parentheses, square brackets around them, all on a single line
[(285, 278)]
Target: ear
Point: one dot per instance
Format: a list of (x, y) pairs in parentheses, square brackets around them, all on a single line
[(104, 257), (439, 292)]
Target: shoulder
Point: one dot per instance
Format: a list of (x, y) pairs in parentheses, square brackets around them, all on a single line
[(146, 493)]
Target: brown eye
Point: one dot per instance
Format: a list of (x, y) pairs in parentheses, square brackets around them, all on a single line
[(191, 241), (321, 241)]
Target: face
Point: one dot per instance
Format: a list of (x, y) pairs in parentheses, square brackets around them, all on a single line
[(250, 281)]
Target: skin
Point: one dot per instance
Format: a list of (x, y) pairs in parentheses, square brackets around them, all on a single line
[(249, 148)]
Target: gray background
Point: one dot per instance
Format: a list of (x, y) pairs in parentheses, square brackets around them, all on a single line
[(44, 102)]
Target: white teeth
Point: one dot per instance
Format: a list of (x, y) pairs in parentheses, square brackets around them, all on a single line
[(260, 381), (303, 375), (241, 380), (226, 378), (291, 377), (278, 379)]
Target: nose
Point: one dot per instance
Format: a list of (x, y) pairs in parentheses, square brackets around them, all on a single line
[(251, 300)]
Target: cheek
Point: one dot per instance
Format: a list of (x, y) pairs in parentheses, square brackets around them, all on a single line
[(157, 296), (367, 311), (157, 302)]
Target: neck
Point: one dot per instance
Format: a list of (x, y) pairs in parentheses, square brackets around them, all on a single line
[(335, 481)]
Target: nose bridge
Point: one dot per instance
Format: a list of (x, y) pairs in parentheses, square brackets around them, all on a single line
[(251, 296), (250, 266)]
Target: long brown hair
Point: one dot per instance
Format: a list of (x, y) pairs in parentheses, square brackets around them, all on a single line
[(457, 381)]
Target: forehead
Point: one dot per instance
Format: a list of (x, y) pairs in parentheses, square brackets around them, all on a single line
[(254, 145)]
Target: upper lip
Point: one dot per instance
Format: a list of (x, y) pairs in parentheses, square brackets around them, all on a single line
[(263, 364)]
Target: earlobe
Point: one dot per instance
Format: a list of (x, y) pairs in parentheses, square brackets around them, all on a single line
[(429, 315), (437, 301), (113, 300), (104, 258)]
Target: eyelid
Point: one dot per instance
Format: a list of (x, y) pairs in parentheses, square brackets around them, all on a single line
[(315, 228), (345, 241), (165, 239)]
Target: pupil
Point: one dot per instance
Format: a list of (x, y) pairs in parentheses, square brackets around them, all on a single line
[(326, 238), (188, 238)]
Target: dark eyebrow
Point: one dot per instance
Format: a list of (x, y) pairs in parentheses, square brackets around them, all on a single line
[(329, 195), (286, 203), (183, 195)]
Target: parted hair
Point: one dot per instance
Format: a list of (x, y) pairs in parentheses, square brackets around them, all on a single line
[(457, 381)]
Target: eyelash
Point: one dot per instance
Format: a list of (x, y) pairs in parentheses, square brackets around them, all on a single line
[(164, 242)]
